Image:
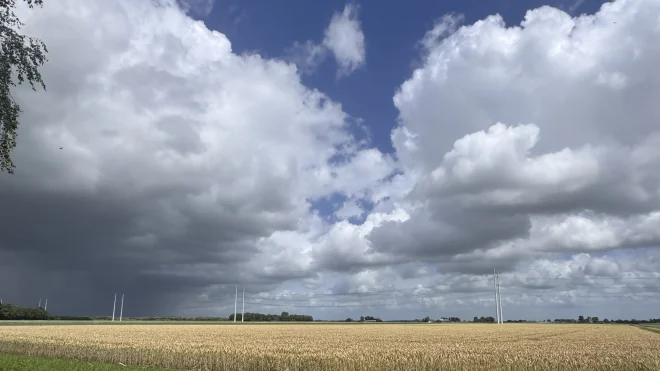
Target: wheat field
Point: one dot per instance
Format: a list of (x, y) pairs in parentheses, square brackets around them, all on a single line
[(346, 347)]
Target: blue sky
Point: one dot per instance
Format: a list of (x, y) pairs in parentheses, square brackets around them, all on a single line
[(392, 30)]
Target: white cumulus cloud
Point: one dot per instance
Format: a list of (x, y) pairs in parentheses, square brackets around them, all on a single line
[(343, 39)]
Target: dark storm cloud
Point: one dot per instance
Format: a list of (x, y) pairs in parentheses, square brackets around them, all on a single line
[(70, 244), (149, 173), (454, 231)]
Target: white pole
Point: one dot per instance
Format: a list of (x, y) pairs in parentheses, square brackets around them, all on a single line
[(114, 305), (499, 295), (235, 303), (39, 302), (243, 312), (46, 306), (121, 311), (497, 303)]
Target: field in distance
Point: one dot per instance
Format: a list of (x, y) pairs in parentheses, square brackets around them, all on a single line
[(322, 347)]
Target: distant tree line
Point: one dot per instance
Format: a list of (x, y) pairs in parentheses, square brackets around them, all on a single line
[(260, 317), (449, 319), (582, 319), (73, 318), (441, 319), (370, 318), (163, 319), (10, 312), (482, 319), (365, 318)]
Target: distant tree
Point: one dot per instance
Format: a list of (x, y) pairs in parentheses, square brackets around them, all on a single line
[(284, 314), (21, 57), (594, 319), (581, 319), (606, 320), (349, 319), (15, 313), (73, 318), (476, 319), (260, 317), (361, 318), (482, 319), (426, 319)]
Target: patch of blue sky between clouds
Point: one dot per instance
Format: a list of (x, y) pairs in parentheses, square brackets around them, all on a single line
[(327, 205)]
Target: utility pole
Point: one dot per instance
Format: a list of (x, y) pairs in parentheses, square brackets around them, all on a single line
[(499, 297), (121, 311), (46, 306), (243, 312), (235, 303), (497, 303), (39, 302), (114, 305)]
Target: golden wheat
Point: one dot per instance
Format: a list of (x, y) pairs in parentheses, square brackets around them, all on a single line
[(346, 347)]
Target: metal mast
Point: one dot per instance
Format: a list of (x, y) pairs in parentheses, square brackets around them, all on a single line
[(235, 303), (497, 303), (499, 296), (121, 310), (114, 305)]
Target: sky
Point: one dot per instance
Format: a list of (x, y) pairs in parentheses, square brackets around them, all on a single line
[(338, 159)]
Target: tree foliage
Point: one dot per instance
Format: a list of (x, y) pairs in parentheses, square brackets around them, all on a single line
[(20, 59), (14, 313), (272, 317), (370, 318), (483, 319)]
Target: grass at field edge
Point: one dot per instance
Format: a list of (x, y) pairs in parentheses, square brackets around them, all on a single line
[(11, 362), (655, 329)]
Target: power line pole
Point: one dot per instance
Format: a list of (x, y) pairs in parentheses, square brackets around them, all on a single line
[(497, 303), (499, 295), (235, 303), (114, 305), (121, 311), (243, 312)]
